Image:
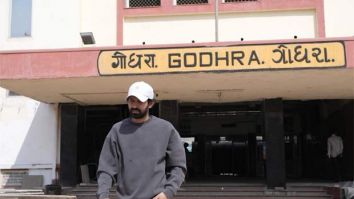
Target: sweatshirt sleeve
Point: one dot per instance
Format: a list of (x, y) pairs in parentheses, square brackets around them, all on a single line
[(175, 164), (104, 184), (107, 167)]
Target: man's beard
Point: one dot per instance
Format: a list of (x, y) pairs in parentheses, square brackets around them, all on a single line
[(139, 114)]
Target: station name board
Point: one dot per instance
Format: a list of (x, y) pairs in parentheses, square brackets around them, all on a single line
[(225, 58)]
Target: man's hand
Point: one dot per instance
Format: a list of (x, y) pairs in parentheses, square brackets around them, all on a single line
[(160, 196)]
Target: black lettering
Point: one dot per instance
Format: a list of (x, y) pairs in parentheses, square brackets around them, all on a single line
[(253, 57), (204, 57), (121, 60), (326, 55), (281, 57), (298, 54), (238, 56), (217, 58), (150, 60), (290, 57), (174, 62), (188, 56), (316, 52), (137, 61)]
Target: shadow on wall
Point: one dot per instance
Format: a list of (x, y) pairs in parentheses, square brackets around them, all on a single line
[(38, 150)]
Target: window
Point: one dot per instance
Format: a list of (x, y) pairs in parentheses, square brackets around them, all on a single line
[(187, 2), (21, 18), (142, 3)]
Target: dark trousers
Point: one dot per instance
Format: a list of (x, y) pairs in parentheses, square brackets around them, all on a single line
[(336, 168)]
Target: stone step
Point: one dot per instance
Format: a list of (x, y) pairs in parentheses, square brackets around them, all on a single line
[(222, 188), (24, 196), (249, 197), (22, 191), (230, 194), (226, 197), (254, 193), (226, 191), (206, 193)]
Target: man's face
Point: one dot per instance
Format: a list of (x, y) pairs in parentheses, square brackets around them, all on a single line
[(138, 109)]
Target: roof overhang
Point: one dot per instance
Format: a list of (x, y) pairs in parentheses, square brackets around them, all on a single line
[(73, 75)]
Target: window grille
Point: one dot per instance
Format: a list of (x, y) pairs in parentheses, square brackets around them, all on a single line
[(143, 3), (232, 1), (188, 2)]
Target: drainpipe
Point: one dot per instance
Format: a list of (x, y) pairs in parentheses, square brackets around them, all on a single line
[(216, 20), (57, 160)]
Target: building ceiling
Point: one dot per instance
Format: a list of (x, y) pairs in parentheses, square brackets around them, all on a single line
[(221, 87)]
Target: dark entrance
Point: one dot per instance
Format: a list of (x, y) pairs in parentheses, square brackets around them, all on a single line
[(225, 141), (307, 126), (83, 131), (96, 121), (229, 139)]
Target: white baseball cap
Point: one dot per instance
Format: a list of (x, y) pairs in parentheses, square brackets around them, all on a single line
[(141, 90)]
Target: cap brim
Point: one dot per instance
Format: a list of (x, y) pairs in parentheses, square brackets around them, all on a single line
[(140, 97)]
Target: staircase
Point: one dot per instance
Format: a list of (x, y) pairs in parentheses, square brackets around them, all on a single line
[(226, 191)]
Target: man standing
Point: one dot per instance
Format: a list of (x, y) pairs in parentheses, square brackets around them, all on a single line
[(143, 154), (334, 153)]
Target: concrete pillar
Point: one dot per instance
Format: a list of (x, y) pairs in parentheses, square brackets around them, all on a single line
[(68, 144), (169, 110), (275, 149), (252, 148)]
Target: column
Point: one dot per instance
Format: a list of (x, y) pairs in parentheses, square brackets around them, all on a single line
[(68, 144), (275, 149)]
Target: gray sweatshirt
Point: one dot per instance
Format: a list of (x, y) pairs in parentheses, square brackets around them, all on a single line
[(142, 159)]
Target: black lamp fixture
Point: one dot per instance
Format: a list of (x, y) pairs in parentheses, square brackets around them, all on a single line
[(87, 38)]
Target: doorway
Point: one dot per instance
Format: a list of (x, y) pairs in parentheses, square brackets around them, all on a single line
[(228, 140), (225, 140)]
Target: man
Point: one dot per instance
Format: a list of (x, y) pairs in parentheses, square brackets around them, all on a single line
[(334, 146), (143, 154), (334, 153)]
